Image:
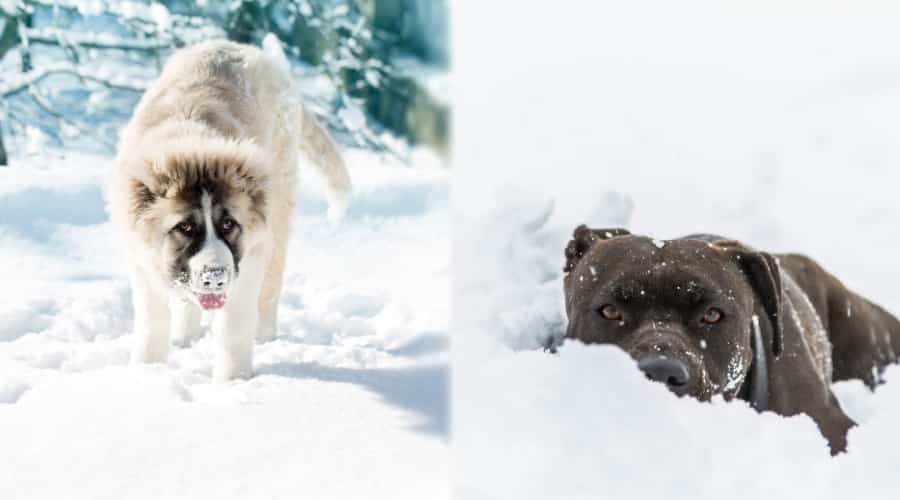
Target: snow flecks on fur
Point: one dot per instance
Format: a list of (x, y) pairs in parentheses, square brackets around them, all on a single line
[(737, 368), (814, 334)]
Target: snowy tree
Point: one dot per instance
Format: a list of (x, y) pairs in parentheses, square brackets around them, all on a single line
[(74, 69)]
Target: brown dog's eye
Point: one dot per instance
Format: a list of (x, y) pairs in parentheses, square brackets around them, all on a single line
[(228, 225), (712, 316), (186, 228), (610, 312)]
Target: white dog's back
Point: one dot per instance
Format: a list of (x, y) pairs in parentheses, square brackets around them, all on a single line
[(220, 89), (218, 134)]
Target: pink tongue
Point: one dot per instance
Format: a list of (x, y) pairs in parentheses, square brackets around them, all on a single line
[(211, 300)]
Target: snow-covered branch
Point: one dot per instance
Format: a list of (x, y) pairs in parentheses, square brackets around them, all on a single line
[(101, 76), (71, 124), (56, 36)]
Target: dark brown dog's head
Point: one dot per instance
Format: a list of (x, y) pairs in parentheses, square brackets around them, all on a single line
[(683, 309)]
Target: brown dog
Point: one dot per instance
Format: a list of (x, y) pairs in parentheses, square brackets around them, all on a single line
[(709, 316)]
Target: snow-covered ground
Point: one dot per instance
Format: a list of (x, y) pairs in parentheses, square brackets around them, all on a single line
[(350, 400), (777, 123)]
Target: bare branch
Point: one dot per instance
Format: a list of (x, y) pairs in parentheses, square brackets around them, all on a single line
[(56, 36), (33, 91), (132, 11), (27, 79), (3, 160)]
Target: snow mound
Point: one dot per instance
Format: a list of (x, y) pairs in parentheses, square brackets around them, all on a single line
[(594, 421), (514, 259)]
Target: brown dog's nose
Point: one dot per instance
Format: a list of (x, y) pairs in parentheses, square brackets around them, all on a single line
[(669, 371)]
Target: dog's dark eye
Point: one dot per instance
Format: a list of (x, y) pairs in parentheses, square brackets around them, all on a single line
[(610, 312), (186, 228), (228, 225), (712, 316)]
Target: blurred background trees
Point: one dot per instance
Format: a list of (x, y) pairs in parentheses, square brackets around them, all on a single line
[(375, 71)]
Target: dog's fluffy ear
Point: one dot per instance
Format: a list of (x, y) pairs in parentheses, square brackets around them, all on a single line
[(141, 197), (764, 274), (583, 238)]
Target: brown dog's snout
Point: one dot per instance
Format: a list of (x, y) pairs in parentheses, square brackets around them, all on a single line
[(672, 372)]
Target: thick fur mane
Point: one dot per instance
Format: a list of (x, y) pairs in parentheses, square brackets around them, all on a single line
[(235, 171)]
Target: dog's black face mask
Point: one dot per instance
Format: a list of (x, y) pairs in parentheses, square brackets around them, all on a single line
[(200, 218), (683, 309)]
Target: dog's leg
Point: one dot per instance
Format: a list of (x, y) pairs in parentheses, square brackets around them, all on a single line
[(268, 305), (185, 326), (280, 227), (834, 424), (272, 280), (235, 325), (151, 321)]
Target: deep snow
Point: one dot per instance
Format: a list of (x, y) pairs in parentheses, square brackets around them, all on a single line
[(350, 400), (770, 122)]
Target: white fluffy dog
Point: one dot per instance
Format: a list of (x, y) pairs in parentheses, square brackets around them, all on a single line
[(203, 188)]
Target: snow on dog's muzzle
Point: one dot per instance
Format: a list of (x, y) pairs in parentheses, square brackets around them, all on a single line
[(211, 285)]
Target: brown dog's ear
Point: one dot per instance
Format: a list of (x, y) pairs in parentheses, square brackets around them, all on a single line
[(764, 274), (765, 277), (583, 238)]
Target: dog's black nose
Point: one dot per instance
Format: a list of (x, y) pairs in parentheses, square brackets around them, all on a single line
[(669, 371)]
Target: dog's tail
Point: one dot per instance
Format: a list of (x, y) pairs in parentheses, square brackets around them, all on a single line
[(321, 151), (315, 143)]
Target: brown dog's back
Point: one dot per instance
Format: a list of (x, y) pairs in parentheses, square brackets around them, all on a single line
[(865, 338)]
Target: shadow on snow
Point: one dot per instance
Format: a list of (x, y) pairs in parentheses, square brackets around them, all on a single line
[(421, 390)]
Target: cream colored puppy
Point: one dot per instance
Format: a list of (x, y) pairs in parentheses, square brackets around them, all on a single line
[(203, 190)]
